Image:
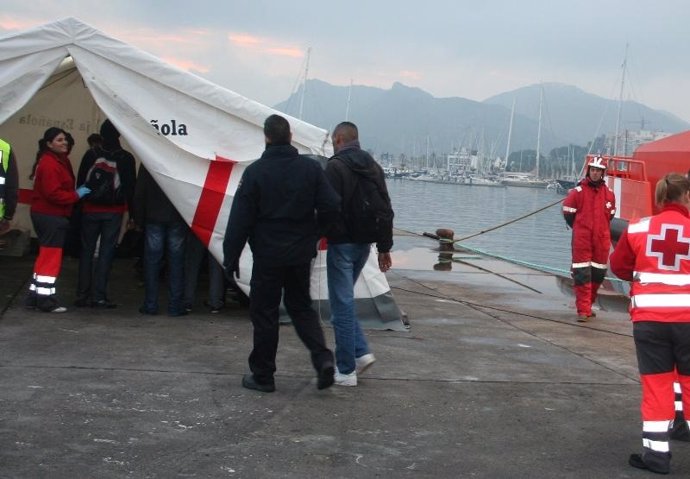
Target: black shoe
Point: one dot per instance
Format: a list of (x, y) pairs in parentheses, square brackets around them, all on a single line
[(103, 304), (660, 467), (249, 382), (175, 314), (143, 310), (49, 304), (680, 431), (326, 376)]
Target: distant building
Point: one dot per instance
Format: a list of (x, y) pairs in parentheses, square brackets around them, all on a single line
[(630, 140)]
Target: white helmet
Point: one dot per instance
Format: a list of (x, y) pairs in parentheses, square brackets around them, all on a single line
[(597, 162)]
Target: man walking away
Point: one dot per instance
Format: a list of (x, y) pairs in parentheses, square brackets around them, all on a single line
[(367, 217), (275, 209)]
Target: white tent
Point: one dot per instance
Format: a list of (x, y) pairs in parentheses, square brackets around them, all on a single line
[(195, 137)]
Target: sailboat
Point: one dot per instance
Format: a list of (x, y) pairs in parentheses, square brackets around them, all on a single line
[(528, 180)]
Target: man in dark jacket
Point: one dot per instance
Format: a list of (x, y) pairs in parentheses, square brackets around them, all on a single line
[(164, 231), (275, 209), (103, 220), (349, 245)]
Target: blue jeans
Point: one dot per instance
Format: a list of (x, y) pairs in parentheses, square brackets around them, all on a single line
[(344, 263), (158, 238), (93, 280)]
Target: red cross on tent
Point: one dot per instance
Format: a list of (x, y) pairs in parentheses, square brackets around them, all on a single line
[(669, 247)]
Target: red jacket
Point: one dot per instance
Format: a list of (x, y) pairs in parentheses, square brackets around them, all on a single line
[(54, 192), (654, 253), (588, 209)]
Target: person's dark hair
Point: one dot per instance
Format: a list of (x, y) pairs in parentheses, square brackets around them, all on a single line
[(94, 140), (70, 142), (48, 136), (277, 130), (347, 130), (671, 188)]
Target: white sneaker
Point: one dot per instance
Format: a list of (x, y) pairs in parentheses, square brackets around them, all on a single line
[(364, 362), (345, 379)]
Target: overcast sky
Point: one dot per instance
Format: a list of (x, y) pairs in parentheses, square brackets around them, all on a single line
[(450, 48)]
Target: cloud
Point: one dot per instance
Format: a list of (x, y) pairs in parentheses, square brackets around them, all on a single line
[(264, 45), (188, 65)]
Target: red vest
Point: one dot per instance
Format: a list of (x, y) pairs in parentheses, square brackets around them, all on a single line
[(660, 289)]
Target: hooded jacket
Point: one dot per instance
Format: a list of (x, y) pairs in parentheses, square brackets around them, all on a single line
[(342, 171), (126, 167)]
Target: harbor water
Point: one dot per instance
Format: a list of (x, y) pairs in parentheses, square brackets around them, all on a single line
[(541, 239)]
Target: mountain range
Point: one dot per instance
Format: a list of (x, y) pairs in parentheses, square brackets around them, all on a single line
[(407, 120)]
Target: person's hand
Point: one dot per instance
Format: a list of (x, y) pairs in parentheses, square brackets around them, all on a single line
[(385, 262), (4, 226), (83, 191), (233, 270)]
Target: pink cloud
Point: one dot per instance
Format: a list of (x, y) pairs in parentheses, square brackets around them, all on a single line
[(264, 45), (244, 39), (187, 64), (286, 52)]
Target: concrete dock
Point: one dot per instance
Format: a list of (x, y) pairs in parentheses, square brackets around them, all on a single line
[(494, 379)]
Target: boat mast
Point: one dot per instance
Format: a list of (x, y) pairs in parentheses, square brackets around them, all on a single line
[(304, 85), (349, 97), (620, 101), (541, 101), (427, 153), (510, 131)]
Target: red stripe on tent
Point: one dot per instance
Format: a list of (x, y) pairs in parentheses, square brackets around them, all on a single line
[(211, 199)]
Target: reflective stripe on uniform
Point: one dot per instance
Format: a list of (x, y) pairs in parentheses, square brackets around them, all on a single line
[(660, 300), (599, 265), (658, 446), (582, 265), (44, 279), (569, 209), (654, 426), (670, 279), (640, 227)]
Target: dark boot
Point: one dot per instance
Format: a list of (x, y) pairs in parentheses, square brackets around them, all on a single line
[(680, 430), (658, 462)]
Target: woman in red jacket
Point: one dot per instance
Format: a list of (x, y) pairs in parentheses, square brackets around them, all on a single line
[(654, 255), (51, 206)]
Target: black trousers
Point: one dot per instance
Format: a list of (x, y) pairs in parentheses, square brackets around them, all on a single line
[(267, 286)]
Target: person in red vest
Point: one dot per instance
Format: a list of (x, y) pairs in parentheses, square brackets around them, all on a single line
[(654, 255), (53, 198), (588, 210)]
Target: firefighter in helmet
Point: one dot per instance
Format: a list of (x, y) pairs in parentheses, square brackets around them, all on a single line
[(588, 209)]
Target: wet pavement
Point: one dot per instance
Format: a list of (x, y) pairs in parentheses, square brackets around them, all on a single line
[(494, 379)]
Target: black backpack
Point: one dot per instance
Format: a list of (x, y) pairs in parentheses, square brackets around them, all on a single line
[(103, 179), (368, 214)]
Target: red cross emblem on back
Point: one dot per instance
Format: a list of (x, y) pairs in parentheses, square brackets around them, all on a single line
[(669, 247)]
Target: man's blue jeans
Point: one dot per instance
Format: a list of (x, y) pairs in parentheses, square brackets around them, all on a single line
[(159, 237), (93, 281), (344, 263)]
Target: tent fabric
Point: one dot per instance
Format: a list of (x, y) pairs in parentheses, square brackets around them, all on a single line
[(195, 137)]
